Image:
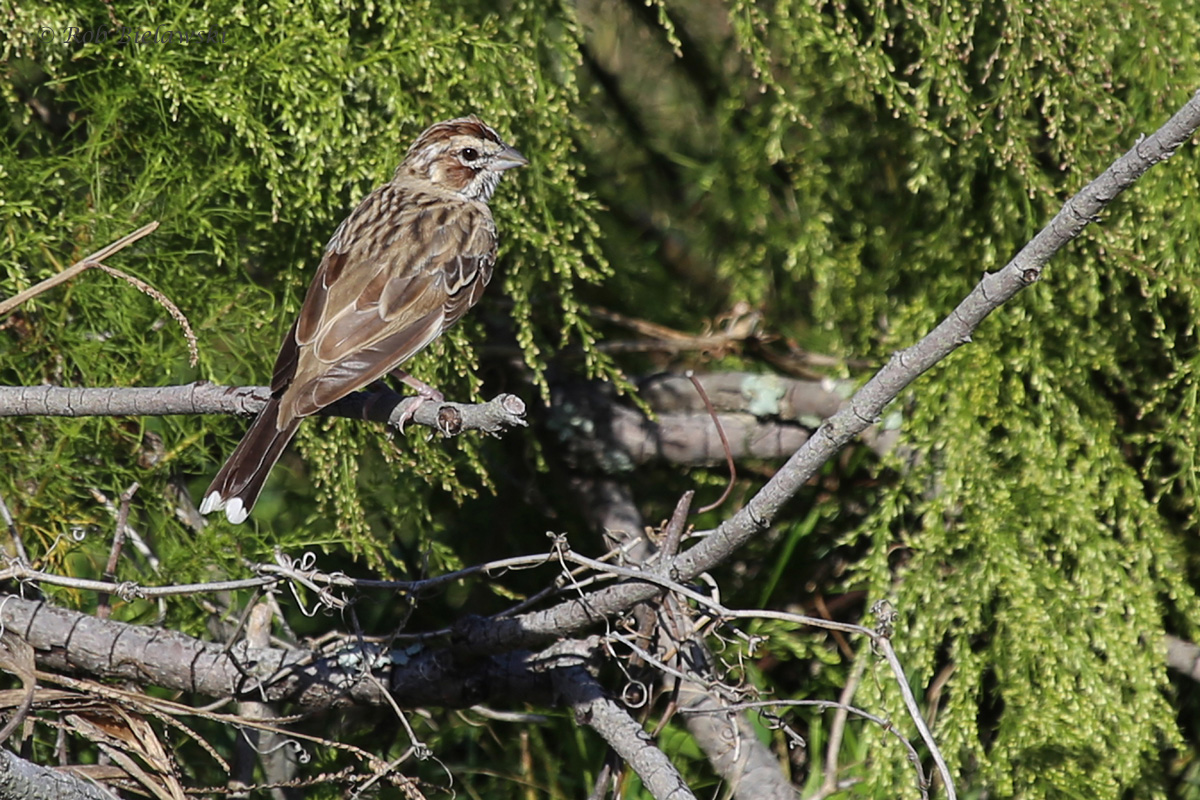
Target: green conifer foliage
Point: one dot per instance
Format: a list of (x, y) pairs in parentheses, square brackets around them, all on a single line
[(847, 170)]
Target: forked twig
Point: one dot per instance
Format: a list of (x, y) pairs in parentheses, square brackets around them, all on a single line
[(8, 305), (95, 260)]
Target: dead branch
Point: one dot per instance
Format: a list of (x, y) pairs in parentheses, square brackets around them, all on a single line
[(69, 641), (501, 412), (28, 781), (595, 709)]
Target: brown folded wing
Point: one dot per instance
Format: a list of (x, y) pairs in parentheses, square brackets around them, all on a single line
[(382, 293)]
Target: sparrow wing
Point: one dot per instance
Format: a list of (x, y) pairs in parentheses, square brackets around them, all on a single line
[(378, 300)]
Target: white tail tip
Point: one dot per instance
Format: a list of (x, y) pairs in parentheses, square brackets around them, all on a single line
[(212, 502), (235, 512)]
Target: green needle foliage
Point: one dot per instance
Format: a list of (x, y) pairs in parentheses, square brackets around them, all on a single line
[(863, 167), (250, 144), (844, 171)]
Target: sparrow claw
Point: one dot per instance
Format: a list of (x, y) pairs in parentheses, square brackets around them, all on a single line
[(424, 394), (411, 404), (419, 386)]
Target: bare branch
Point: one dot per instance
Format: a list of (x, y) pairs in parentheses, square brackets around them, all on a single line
[(14, 534), (278, 762), (1183, 657), (600, 712), (914, 757), (501, 412), (762, 416), (731, 744), (762, 395), (23, 779), (69, 641), (837, 729), (110, 570)]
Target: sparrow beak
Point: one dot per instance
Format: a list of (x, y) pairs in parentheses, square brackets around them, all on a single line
[(508, 158)]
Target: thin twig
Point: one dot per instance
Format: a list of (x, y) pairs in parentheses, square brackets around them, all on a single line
[(712, 412), (131, 533), (270, 574), (165, 302), (887, 726), (130, 590), (114, 554), (14, 534), (676, 525), (8, 305), (837, 730)]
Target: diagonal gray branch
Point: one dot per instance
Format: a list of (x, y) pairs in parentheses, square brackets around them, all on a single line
[(905, 366), (594, 708), (864, 409)]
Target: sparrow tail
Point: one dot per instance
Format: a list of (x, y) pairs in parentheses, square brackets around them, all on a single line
[(236, 487)]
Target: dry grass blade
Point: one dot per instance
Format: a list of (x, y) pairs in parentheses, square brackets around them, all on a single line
[(16, 657), (70, 272), (124, 736), (164, 301), (94, 260)]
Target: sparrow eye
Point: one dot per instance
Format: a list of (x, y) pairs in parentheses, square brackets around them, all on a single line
[(469, 154)]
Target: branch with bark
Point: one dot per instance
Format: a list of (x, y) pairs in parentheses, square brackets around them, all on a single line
[(522, 655), (78, 643), (765, 416), (378, 405)]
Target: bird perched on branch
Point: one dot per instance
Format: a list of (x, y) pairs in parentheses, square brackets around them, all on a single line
[(398, 272)]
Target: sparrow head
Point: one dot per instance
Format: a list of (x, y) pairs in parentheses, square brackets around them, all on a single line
[(463, 156)]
